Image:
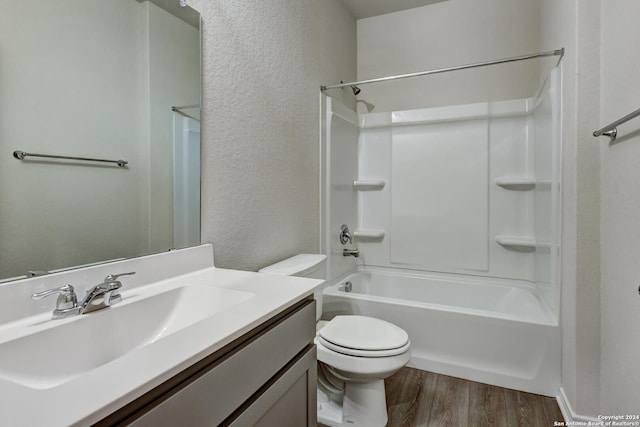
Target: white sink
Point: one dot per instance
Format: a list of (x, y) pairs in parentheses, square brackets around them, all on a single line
[(43, 354)]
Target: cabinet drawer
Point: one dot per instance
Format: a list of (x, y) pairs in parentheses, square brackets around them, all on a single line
[(233, 379)]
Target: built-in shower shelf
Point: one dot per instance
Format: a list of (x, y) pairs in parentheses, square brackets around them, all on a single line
[(521, 242), (368, 185), (516, 183), (369, 234), (516, 241)]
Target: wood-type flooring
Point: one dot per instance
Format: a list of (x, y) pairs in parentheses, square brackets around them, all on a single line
[(419, 398)]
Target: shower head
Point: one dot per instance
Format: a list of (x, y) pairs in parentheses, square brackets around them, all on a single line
[(356, 90)]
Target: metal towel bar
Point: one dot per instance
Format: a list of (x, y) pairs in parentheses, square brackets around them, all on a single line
[(20, 155), (611, 130)]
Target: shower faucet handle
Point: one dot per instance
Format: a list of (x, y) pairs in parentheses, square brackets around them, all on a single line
[(345, 235)]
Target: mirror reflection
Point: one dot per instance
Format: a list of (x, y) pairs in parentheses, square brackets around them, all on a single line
[(99, 79)]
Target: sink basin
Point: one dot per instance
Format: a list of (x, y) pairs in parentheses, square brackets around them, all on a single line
[(56, 351)]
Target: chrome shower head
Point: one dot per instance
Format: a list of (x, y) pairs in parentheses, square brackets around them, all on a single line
[(356, 90)]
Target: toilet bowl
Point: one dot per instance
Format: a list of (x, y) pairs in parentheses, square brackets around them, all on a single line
[(355, 355)]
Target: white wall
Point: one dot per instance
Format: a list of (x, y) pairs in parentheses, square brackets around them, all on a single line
[(445, 34), (620, 224), (575, 26), (600, 312), (263, 63)]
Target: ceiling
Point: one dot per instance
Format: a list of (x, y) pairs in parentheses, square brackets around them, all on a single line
[(368, 8)]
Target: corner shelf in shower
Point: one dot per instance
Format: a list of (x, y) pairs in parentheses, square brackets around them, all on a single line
[(369, 234), (521, 242), (368, 185), (516, 241), (516, 183)]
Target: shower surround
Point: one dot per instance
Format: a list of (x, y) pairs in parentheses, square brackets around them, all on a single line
[(466, 192)]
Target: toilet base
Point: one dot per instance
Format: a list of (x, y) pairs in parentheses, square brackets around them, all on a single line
[(365, 404), (329, 411), (362, 404)]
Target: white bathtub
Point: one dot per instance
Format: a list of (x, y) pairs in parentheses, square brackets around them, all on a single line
[(483, 329)]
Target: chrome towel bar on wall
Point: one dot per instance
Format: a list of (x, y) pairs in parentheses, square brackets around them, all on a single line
[(611, 129), (20, 155)]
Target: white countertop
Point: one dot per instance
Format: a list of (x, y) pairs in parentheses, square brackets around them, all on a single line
[(90, 397)]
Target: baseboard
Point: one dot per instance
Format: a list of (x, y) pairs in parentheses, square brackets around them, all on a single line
[(567, 411)]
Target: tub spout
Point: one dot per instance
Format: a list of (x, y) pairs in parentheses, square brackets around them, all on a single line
[(351, 252)]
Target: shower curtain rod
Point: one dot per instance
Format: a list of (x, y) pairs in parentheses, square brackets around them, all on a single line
[(557, 52), (185, 107)]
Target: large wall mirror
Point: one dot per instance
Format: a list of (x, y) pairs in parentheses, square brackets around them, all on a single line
[(100, 79)]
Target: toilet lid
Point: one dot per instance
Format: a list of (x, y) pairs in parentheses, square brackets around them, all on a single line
[(363, 333)]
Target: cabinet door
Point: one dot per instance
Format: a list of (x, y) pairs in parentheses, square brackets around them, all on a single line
[(289, 401), (290, 410)]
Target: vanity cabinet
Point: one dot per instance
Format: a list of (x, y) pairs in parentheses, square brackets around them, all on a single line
[(267, 377)]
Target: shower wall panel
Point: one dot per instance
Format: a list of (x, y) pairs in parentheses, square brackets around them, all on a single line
[(340, 201), (468, 189), (439, 196), (546, 117), (441, 208)]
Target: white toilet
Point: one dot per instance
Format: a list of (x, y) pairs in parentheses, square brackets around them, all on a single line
[(356, 354)]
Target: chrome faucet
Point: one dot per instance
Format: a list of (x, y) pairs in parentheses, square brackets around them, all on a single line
[(102, 295), (67, 303), (345, 235), (97, 298), (351, 252)]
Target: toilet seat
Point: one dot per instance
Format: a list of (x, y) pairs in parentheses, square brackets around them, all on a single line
[(363, 336), (364, 353)]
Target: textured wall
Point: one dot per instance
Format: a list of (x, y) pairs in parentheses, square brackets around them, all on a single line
[(263, 63), (600, 316), (575, 25), (446, 34), (620, 227)]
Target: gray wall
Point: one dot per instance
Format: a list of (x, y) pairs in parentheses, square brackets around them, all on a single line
[(446, 34), (263, 63), (575, 26), (600, 304), (619, 224)]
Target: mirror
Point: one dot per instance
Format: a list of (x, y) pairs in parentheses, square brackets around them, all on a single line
[(97, 79)]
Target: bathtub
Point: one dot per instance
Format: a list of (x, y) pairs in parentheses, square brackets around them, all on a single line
[(488, 330)]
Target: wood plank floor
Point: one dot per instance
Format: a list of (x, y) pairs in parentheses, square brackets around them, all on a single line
[(419, 398)]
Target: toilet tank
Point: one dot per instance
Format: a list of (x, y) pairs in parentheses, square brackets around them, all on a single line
[(302, 265), (312, 266)]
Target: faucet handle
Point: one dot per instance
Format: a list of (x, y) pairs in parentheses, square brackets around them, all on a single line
[(114, 277), (345, 235), (66, 299)]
